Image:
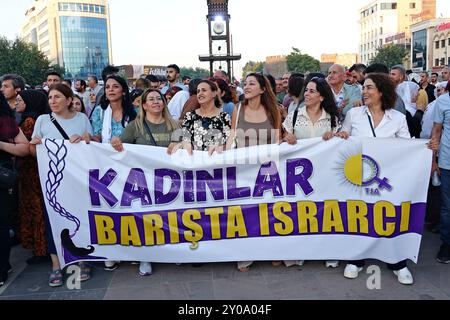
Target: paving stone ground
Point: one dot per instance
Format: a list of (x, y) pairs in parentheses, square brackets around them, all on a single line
[(222, 281)]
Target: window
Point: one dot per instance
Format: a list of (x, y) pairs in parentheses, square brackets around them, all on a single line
[(43, 35), (449, 41), (43, 25), (381, 30), (381, 43), (442, 61), (437, 44), (443, 44), (436, 63), (412, 5)]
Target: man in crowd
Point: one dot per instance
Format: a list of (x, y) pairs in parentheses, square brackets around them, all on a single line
[(434, 79), (357, 71), (53, 78), (407, 90), (81, 91), (429, 88), (173, 78), (280, 90), (446, 74), (346, 96), (154, 81), (12, 84), (220, 74), (186, 80), (441, 133), (287, 100), (94, 89)]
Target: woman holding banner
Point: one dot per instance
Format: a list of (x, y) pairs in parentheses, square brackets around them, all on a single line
[(63, 123), (207, 127), (153, 126), (255, 122), (31, 104), (317, 119), (12, 143), (377, 119), (109, 120)]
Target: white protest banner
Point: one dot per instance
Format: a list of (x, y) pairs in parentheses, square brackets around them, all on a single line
[(335, 200)]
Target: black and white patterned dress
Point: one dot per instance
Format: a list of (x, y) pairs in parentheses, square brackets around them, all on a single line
[(205, 132)]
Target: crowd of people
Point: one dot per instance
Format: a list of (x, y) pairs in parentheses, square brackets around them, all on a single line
[(214, 115)]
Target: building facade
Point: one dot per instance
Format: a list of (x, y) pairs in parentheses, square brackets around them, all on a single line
[(346, 59), (426, 37), (383, 23), (441, 45), (74, 34)]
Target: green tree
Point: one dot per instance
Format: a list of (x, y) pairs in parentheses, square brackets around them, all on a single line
[(298, 62), (194, 73), (390, 55), (252, 66), (26, 60)]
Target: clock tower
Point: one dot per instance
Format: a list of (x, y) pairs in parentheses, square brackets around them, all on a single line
[(220, 41)]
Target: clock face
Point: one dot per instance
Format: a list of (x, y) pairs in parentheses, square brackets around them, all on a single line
[(219, 27)]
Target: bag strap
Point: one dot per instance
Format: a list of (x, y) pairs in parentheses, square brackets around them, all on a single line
[(237, 117), (294, 122), (58, 126), (371, 126), (152, 139)]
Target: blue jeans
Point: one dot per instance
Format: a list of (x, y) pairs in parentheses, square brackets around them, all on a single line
[(445, 209)]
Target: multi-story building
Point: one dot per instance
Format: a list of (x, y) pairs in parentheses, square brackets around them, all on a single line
[(276, 66), (441, 41), (383, 23), (428, 50), (74, 34), (346, 59)]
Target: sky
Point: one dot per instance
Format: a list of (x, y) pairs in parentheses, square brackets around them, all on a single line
[(162, 32)]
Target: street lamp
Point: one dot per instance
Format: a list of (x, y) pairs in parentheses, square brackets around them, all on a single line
[(219, 30)]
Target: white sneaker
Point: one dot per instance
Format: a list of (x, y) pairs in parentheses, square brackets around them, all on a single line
[(145, 269), (404, 276), (351, 271), (332, 264), (111, 265)]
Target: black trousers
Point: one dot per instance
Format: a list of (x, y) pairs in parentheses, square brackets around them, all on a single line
[(5, 244), (434, 203), (394, 267)]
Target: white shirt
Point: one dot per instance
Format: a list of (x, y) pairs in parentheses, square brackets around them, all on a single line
[(428, 121), (305, 128), (393, 124), (177, 103)]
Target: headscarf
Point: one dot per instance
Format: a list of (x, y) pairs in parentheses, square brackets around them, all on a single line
[(36, 104)]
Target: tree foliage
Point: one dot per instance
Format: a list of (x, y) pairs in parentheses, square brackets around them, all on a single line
[(390, 55), (195, 73), (302, 63), (26, 60), (251, 67)]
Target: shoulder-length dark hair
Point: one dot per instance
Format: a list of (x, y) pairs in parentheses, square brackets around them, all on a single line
[(386, 87), (225, 88), (65, 90), (329, 103), (129, 114), (83, 107), (214, 88), (268, 100)]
